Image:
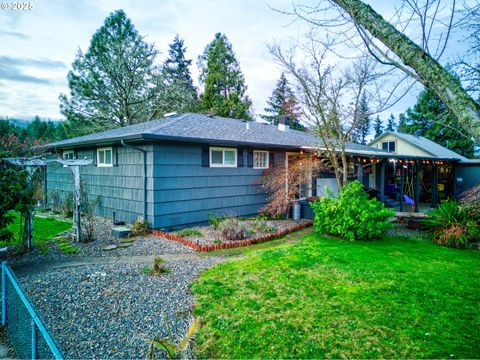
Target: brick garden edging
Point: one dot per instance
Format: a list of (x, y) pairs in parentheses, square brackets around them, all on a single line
[(233, 244)]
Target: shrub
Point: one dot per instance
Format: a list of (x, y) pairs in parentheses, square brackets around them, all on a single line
[(233, 229), (55, 200), (158, 268), (171, 346), (262, 226), (214, 221), (454, 225), (139, 227), (189, 232), (87, 207), (67, 206), (352, 215)]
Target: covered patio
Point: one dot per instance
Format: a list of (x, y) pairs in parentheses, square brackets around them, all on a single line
[(407, 183)]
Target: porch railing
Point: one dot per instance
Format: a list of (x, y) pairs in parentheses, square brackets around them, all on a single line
[(28, 334)]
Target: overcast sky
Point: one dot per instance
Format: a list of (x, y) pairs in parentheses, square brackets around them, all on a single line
[(38, 46)]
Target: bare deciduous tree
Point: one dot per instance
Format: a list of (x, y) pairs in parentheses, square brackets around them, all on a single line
[(330, 96), (283, 183), (355, 25)]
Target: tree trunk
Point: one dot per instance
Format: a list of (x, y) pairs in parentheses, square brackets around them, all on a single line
[(345, 167), (431, 73)]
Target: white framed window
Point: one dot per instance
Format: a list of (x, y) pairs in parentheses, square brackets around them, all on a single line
[(260, 159), (68, 154), (389, 146), (104, 157), (223, 157)]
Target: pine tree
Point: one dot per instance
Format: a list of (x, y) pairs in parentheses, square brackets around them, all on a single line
[(360, 133), (224, 92), (282, 103), (115, 83), (431, 119), (178, 94), (391, 123), (378, 127), (402, 123)]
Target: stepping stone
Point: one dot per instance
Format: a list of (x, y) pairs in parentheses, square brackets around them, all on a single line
[(120, 232), (124, 245), (127, 241), (109, 247)]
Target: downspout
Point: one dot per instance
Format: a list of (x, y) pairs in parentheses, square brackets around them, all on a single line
[(124, 144)]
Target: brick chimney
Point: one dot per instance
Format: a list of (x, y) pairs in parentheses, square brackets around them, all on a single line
[(284, 123)]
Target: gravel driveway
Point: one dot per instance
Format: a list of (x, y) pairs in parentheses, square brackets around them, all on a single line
[(107, 311), (100, 303)]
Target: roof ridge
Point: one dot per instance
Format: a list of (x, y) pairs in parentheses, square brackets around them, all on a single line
[(164, 122)]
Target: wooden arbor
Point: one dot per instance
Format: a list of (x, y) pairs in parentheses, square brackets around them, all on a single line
[(33, 164)]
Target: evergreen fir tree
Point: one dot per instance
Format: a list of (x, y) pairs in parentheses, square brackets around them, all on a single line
[(360, 133), (179, 94), (431, 119), (402, 123), (224, 92), (282, 103), (378, 127), (391, 123), (115, 83)]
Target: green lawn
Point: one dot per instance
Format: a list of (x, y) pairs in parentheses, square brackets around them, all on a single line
[(44, 229), (393, 298)]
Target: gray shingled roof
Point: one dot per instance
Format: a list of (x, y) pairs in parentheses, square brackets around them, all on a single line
[(427, 145), (206, 129)]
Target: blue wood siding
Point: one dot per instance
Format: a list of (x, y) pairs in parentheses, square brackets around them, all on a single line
[(470, 173), (180, 190), (185, 191), (120, 188)]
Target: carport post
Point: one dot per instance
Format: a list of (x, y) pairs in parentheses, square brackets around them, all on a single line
[(435, 185), (417, 185), (402, 180), (382, 181)]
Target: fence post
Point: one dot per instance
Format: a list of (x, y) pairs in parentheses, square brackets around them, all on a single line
[(4, 293), (34, 339)]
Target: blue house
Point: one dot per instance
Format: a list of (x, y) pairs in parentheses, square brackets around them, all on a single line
[(174, 171)]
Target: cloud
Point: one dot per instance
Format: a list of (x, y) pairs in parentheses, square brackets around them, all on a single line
[(13, 74), (11, 68), (14, 34), (38, 63)]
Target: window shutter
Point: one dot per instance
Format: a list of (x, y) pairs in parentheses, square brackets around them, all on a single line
[(250, 159), (240, 158), (94, 158), (205, 157), (114, 156), (271, 161)]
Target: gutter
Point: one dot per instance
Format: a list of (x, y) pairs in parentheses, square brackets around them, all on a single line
[(124, 144)]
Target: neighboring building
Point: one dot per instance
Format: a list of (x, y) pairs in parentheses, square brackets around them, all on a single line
[(176, 170), (443, 174)]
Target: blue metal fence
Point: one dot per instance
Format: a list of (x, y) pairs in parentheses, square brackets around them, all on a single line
[(28, 334)]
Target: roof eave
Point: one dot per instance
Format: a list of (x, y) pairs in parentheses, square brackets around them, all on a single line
[(101, 142)]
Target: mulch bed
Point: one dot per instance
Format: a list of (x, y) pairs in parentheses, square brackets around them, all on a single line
[(207, 243)]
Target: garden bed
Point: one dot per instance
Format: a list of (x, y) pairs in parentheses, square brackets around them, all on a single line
[(206, 238)]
